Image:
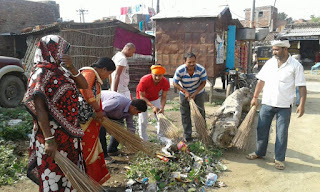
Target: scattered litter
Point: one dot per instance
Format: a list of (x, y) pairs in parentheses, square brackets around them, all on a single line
[(211, 179), (14, 122), (130, 182)]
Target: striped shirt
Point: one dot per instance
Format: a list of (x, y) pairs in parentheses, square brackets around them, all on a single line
[(190, 83)]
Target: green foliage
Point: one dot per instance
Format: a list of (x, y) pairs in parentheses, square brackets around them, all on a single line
[(315, 19), (18, 131), (160, 171), (11, 165), (199, 149), (284, 16), (174, 108)]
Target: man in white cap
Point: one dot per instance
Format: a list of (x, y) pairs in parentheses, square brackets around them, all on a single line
[(278, 78)]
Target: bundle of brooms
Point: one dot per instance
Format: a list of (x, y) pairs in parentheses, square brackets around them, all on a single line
[(240, 140), (170, 130), (130, 140), (199, 123), (78, 179)]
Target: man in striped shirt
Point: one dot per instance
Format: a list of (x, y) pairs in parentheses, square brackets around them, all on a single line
[(192, 78)]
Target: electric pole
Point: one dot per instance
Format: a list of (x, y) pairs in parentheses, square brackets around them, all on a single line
[(81, 14), (252, 25)]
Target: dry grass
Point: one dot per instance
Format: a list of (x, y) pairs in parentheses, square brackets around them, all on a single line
[(78, 179), (240, 140), (199, 123)]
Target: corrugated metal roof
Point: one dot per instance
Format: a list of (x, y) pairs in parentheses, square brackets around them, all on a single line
[(192, 13), (311, 29)]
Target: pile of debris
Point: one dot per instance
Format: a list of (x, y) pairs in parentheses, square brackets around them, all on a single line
[(179, 167)]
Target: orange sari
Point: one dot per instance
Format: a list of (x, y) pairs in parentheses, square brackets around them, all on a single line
[(92, 151)]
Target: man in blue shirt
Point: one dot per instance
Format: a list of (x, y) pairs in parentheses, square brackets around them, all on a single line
[(192, 77), (118, 107)]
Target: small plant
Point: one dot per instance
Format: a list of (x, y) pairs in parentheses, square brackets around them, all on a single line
[(18, 131), (12, 166)]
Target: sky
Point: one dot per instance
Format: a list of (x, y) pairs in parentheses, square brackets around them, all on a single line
[(104, 8)]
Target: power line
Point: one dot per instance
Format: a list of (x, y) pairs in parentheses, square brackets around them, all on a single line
[(81, 13)]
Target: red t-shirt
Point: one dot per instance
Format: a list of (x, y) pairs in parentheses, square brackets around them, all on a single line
[(152, 90)]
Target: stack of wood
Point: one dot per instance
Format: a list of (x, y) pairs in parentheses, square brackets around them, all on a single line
[(227, 118)]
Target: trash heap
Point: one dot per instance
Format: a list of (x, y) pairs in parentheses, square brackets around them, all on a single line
[(178, 167)]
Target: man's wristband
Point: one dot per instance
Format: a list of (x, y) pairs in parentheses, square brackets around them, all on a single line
[(183, 91), (255, 97)]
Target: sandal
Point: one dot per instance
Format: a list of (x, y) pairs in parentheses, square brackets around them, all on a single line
[(279, 165), (109, 160), (252, 156)]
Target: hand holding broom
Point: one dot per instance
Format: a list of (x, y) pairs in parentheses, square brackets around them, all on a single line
[(132, 141), (240, 140)]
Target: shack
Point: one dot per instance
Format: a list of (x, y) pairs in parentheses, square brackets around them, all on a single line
[(89, 41), (203, 32), (305, 40)]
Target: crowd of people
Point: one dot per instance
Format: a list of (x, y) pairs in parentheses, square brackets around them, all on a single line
[(66, 105)]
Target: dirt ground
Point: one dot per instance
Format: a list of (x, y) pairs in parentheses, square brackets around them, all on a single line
[(302, 171)]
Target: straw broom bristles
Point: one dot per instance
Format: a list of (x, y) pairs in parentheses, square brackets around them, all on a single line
[(78, 179), (199, 123), (130, 140), (240, 140), (169, 129)]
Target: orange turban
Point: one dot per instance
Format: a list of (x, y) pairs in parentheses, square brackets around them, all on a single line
[(158, 70)]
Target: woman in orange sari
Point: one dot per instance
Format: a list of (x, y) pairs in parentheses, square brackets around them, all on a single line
[(90, 108)]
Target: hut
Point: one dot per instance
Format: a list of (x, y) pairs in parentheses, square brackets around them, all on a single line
[(89, 41), (203, 32)]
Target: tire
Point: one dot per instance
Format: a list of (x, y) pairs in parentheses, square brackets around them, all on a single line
[(242, 83), (230, 89), (12, 91)]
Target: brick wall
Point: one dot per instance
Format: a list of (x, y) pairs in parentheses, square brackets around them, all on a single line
[(262, 16), (19, 14)]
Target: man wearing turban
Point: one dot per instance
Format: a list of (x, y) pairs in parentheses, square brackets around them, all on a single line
[(278, 78), (148, 89)]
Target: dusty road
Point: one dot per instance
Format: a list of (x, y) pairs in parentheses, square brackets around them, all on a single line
[(302, 171)]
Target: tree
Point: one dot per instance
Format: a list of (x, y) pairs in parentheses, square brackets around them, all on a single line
[(284, 16), (315, 19)]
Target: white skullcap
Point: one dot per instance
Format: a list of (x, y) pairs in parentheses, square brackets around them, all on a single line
[(279, 43)]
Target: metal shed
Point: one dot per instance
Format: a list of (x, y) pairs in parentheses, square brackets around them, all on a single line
[(197, 31)]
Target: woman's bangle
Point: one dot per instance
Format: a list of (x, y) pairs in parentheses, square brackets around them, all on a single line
[(48, 138), (76, 74)]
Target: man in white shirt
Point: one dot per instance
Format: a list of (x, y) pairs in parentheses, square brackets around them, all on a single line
[(120, 77), (278, 78)]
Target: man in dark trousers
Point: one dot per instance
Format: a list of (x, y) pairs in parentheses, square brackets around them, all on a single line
[(118, 107)]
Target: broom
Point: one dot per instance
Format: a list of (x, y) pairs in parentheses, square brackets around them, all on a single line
[(78, 179), (170, 130), (240, 140), (199, 123), (130, 140)]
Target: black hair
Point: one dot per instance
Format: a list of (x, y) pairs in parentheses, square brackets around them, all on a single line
[(189, 55), (140, 104), (104, 62)]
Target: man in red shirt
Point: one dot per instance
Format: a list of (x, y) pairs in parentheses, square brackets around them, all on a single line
[(148, 89)]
